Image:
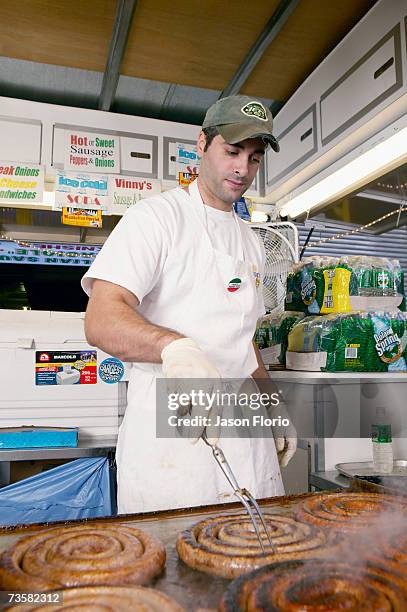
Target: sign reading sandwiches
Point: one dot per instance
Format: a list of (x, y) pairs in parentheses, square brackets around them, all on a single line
[(21, 183)]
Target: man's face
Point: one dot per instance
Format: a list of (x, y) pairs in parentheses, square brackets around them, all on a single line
[(228, 170)]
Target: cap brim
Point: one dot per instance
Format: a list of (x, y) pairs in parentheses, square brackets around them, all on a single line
[(234, 133)]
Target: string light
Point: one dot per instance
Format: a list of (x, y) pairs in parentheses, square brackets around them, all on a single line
[(73, 254), (50, 252), (390, 186), (354, 231)]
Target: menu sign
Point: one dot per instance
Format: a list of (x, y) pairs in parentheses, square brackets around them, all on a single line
[(84, 191), (187, 158), (185, 179), (52, 254), (81, 218), (91, 152), (125, 191), (22, 183)]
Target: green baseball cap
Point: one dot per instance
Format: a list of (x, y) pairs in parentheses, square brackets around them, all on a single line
[(241, 117)]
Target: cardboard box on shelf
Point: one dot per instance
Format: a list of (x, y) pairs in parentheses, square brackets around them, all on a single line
[(19, 470)]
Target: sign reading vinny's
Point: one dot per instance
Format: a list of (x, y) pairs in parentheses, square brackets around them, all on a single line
[(91, 152), (84, 191), (124, 191), (21, 183)]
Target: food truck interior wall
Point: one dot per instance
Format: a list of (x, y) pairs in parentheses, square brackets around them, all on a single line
[(57, 287)]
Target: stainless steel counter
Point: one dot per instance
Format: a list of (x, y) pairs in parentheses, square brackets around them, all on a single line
[(328, 480)]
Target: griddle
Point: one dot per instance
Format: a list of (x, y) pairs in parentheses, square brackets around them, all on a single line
[(191, 588)]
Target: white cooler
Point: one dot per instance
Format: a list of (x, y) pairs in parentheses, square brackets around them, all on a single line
[(94, 408)]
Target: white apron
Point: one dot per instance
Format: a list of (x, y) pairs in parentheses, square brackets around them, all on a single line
[(157, 474)]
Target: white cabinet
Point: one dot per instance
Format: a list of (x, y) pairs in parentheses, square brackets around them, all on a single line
[(298, 141), (373, 78), (257, 187), (138, 152), (20, 140), (139, 155), (170, 156), (357, 91)]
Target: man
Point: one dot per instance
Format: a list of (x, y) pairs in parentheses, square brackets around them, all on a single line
[(176, 291)]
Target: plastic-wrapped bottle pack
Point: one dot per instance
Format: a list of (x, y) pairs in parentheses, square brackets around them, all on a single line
[(325, 285), (271, 336), (349, 342)]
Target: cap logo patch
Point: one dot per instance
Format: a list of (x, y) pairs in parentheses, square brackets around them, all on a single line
[(255, 109)]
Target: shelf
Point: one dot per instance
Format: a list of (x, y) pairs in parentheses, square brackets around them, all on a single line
[(328, 480), (85, 448), (337, 377), (20, 205)]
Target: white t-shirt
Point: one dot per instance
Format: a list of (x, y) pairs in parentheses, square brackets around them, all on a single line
[(224, 232), (160, 251), (135, 252)]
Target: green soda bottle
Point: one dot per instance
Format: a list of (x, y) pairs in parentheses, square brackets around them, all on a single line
[(382, 443)]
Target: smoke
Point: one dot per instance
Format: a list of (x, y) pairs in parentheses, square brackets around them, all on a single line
[(384, 532), (364, 560)]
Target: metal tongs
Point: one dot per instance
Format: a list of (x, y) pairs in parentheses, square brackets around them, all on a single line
[(243, 495)]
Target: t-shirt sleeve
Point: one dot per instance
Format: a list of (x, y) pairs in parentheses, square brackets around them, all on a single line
[(133, 255)]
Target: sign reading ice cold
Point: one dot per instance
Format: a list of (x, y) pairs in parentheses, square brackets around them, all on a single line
[(84, 191), (187, 159), (88, 152), (124, 191)]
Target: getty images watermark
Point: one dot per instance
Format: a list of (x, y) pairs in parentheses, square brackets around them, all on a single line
[(238, 410), (242, 410), (211, 402)]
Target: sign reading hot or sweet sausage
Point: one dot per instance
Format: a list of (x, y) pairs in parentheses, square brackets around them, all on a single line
[(91, 152)]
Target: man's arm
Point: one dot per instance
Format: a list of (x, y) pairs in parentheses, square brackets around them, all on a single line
[(261, 376), (113, 324), (261, 371), (284, 437)]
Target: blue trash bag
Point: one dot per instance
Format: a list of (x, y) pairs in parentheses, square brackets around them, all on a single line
[(76, 490)]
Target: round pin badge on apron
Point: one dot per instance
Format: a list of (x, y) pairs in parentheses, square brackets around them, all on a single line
[(234, 284)]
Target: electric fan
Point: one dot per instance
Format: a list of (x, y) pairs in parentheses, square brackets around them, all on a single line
[(280, 242)]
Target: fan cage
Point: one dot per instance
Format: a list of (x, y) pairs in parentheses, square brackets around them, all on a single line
[(280, 243)]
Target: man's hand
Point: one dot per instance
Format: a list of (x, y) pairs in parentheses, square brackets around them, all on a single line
[(183, 358), (183, 361), (285, 436)]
